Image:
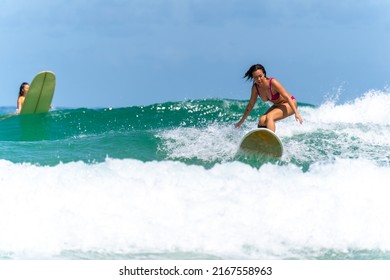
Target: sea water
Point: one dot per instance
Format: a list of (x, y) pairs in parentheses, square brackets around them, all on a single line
[(165, 181)]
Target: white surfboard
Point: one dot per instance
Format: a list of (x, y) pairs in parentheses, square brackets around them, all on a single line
[(262, 141)]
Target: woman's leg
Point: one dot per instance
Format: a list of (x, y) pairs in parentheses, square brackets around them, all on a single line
[(263, 118), (262, 121), (275, 113)]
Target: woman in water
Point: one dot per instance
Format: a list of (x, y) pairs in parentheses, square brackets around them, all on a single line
[(22, 95), (269, 89)]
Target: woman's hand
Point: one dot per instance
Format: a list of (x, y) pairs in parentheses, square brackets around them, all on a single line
[(239, 124), (298, 118)]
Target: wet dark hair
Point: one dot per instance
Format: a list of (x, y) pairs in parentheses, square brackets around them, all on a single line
[(21, 88), (249, 74)]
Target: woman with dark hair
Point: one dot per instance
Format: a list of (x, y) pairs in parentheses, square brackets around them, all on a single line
[(22, 95), (269, 89)]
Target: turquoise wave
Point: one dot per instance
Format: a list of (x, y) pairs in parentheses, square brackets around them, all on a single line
[(91, 135), (197, 132)]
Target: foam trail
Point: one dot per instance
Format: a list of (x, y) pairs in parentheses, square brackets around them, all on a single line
[(229, 211)]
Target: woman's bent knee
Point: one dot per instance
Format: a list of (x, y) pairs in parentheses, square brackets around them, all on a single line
[(263, 120)]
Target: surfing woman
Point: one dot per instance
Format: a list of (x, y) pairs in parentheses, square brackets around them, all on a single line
[(22, 95), (269, 89)]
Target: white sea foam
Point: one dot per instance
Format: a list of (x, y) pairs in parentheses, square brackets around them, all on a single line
[(337, 203), (209, 143), (229, 211), (372, 108)]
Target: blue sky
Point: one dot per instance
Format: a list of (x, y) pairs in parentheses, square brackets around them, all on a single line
[(119, 53)]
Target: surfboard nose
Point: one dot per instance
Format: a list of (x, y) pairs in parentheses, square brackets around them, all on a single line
[(262, 141)]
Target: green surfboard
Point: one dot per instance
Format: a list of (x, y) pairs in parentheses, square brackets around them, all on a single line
[(39, 96)]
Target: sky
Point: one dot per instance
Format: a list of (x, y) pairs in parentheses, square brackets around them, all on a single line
[(121, 53)]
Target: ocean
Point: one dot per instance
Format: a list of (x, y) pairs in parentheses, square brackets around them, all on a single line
[(165, 181)]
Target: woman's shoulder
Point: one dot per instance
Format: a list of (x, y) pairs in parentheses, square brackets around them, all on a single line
[(253, 87), (274, 81)]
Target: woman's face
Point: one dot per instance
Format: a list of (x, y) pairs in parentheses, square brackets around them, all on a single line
[(25, 89), (258, 77)]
